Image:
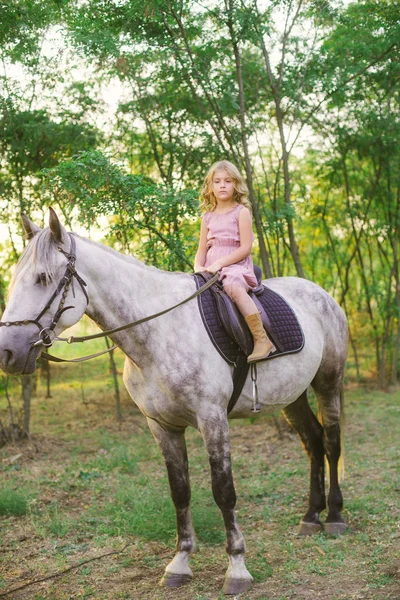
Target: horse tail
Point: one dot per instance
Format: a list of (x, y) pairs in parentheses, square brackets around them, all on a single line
[(342, 422)]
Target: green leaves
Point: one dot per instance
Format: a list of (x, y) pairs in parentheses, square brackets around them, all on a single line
[(31, 140), (152, 219), (22, 25)]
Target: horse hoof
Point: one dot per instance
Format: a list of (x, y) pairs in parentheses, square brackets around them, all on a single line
[(175, 580), (309, 528), (236, 586), (335, 528)]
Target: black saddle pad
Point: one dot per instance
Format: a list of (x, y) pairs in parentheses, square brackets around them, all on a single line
[(279, 319), (280, 322)]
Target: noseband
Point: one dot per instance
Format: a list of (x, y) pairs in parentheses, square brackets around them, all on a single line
[(46, 334)]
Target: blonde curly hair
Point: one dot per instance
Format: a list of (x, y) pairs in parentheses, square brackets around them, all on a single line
[(240, 194)]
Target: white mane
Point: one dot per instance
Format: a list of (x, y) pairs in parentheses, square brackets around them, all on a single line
[(127, 257), (39, 257), (124, 257)]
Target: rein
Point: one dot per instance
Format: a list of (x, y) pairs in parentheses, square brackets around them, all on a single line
[(72, 339), (47, 339)]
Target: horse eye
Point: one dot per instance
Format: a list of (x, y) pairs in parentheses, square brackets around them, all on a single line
[(42, 279)]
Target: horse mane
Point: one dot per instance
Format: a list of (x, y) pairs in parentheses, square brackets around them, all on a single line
[(39, 257), (127, 257)]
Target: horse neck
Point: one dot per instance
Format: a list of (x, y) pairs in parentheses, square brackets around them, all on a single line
[(122, 290)]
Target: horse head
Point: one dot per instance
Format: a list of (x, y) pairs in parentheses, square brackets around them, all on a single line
[(46, 296)]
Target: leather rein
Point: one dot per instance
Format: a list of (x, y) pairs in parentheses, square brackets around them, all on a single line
[(47, 335)]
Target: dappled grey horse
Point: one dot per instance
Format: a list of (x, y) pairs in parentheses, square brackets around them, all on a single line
[(175, 375)]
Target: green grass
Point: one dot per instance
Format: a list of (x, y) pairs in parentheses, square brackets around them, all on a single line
[(50, 522), (147, 511), (86, 485), (12, 502)]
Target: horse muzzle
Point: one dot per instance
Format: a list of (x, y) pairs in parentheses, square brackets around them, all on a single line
[(15, 361)]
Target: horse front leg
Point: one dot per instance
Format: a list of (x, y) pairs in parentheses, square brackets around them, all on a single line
[(173, 447), (215, 433)]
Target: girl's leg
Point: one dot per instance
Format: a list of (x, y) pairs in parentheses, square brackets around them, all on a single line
[(262, 344), (241, 298)]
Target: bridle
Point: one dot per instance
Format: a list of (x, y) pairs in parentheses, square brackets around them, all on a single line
[(47, 335)]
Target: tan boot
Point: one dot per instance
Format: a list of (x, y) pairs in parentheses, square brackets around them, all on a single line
[(262, 344)]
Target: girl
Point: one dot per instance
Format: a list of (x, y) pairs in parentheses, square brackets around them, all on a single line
[(226, 239)]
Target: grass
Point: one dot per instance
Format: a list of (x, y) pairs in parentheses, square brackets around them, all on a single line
[(12, 502), (86, 485)]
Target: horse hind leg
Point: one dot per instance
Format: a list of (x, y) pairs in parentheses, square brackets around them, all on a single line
[(173, 448), (303, 420), (334, 523), (330, 403)]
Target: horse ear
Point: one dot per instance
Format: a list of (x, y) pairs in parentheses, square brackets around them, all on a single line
[(56, 228), (30, 228)]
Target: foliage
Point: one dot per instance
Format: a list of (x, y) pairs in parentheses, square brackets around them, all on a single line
[(23, 23), (150, 218), (29, 142), (2, 294)]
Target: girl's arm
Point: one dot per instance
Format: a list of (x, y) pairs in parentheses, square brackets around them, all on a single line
[(246, 243), (200, 257)]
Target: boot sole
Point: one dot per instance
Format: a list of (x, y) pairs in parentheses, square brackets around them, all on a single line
[(253, 360)]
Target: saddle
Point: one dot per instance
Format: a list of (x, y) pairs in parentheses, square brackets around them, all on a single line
[(230, 335)]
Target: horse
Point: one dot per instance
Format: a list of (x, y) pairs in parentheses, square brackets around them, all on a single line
[(176, 376)]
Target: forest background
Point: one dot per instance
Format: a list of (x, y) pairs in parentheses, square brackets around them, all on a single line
[(112, 111)]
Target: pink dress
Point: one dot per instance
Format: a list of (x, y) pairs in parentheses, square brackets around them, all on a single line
[(223, 238)]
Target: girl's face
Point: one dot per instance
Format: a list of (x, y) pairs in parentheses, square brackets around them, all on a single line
[(223, 186)]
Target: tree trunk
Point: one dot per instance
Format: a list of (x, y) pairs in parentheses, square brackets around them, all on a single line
[(113, 367), (46, 370), (26, 395), (396, 353), (363, 274), (294, 249), (343, 287), (249, 175)]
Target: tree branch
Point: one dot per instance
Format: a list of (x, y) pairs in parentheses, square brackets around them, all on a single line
[(59, 573)]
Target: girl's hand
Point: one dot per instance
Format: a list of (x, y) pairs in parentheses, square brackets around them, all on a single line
[(216, 266)]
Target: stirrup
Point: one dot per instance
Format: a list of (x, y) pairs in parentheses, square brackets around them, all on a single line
[(256, 408)]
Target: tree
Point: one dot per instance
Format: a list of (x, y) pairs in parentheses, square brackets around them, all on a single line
[(34, 132), (153, 220)]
